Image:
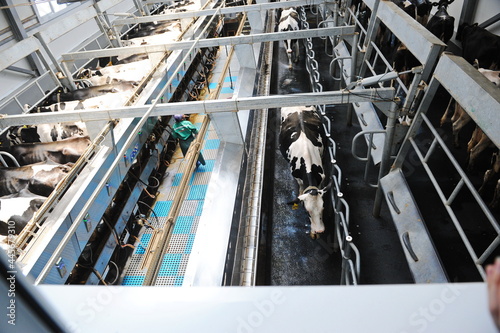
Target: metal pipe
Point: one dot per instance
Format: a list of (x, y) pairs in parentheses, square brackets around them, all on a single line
[(9, 155), (256, 167), (462, 174), (209, 42), (384, 164), (352, 74), (448, 208), (488, 251), (207, 106), (223, 11), (455, 192)]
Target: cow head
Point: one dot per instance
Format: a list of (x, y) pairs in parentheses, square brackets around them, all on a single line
[(312, 197)]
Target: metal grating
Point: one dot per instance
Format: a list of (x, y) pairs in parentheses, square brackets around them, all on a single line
[(211, 135), (212, 144), (209, 154), (177, 243), (181, 243), (197, 192)]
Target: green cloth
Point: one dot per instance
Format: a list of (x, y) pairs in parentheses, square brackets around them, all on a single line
[(183, 130)]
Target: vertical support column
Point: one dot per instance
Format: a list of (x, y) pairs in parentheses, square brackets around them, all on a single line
[(69, 78), (227, 124), (255, 20), (263, 13), (68, 82), (19, 33), (146, 8), (111, 36), (137, 4), (354, 57), (370, 36), (386, 155), (417, 121), (468, 11)]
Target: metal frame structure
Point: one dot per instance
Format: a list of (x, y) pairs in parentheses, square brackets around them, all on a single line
[(51, 268), (350, 255), (419, 249), (142, 113), (73, 211), (456, 75), (39, 87)]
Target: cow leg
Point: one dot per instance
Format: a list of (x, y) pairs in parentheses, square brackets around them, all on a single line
[(458, 124), (483, 143), (288, 50), (297, 47), (314, 235), (491, 173), (496, 197), (488, 176), (444, 118), (474, 139)]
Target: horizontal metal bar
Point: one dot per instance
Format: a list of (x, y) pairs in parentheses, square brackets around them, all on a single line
[(18, 51), (475, 93), (208, 106), (448, 208), (211, 42), (207, 12), (21, 70), (490, 21), (462, 174)]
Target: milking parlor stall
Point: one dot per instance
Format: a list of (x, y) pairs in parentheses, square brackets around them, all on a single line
[(339, 167)]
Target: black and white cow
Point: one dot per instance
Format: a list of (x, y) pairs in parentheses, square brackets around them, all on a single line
[(302, 141), (90, 92), (45, 132), (289, 21), (134, 71), (39, 178), (17, 210), (441, 24), (418, 9), (61, 152), (478, 43)]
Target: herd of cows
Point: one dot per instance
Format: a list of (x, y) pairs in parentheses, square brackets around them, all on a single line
[(45, 154), (37, 158)]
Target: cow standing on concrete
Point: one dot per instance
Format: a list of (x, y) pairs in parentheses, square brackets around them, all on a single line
[(302, 142), (289, 21)]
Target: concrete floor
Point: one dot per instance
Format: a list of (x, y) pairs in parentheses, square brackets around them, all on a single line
[(296, 259)]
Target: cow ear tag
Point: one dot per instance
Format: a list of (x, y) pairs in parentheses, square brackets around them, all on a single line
[(295, 206)]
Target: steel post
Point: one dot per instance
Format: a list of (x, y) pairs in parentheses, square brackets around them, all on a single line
[(386, 155), (354, 57)]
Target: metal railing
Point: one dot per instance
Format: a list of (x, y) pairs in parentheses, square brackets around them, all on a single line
[(349, 252)]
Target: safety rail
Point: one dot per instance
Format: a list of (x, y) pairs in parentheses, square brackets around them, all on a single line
[(368, 159), (377, 59), (455, 74), (349, 252)]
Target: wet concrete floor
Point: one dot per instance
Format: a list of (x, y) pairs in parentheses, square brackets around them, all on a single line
[(293, 257)]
